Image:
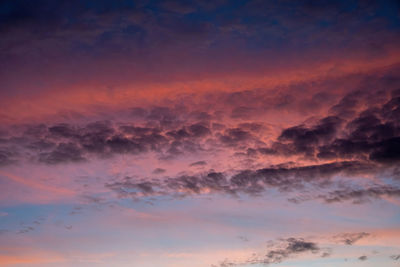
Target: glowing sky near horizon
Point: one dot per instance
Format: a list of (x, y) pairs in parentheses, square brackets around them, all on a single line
[(199, 133)]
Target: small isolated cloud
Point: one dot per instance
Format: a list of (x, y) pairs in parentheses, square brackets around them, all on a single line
[(198, 163), (395, 257), (363, 258), (26, 229), (159, 171), (243, 238)]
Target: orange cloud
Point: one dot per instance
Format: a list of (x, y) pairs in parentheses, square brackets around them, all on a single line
[(86, 97)]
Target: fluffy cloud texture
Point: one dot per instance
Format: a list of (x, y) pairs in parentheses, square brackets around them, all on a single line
[(175, 133)]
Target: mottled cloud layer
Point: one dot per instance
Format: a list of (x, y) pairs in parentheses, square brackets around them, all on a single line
[(359, 136), (187, 133)]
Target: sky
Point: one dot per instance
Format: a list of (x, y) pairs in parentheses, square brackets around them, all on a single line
[(199, 133)]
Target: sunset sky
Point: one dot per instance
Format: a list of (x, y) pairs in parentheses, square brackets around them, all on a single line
[(219, 133)]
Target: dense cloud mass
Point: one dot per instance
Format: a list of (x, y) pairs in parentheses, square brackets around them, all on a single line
[(365, 142), (372, 134)]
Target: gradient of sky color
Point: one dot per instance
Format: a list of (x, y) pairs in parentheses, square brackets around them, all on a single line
[(199, 133)]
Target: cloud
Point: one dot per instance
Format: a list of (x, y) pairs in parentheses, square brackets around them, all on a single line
[(294, 246), (283, 249), (243, 238), (304, 140), (6, 158), (288, 178), (199, 130), (349, 192), (198, 163), (251, 182), (242, 112), (350, 238), (159, 171), (133, 189), (360, 195), (63, 143), (26, 229), (395, 257), (363, 258), (325, 148), (279, 251), (373, 134), (234, 137), (64, 152)]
